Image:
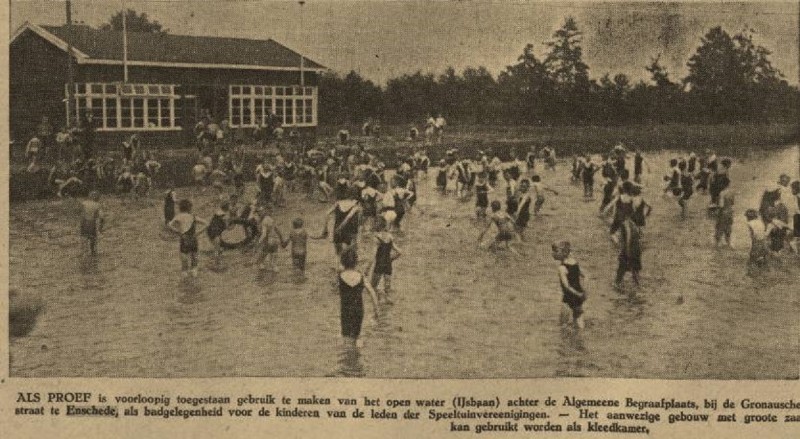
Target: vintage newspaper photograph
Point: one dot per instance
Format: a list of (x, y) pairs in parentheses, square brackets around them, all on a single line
[(451, 217)]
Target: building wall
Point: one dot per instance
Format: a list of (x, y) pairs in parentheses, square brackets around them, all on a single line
[(38, 73)]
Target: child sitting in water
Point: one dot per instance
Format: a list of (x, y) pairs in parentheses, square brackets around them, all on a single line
[(91, 221), (188, 227), (386, 252), (569, 275)]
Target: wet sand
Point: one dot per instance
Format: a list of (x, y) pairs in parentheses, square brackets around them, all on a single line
[(460, 311)]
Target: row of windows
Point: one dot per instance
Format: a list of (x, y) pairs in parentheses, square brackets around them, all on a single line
[(254, 111), (258, 90), (124, 89), (117, 106), (129, 113)]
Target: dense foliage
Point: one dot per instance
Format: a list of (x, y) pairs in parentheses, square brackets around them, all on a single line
[(730, 80)]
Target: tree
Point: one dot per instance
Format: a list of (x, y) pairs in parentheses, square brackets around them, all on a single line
[(570, 73), (728, 76), (134, 22)]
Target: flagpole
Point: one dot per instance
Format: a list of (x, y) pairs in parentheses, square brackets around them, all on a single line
[(70, 71), (124, 43), (302, 58)]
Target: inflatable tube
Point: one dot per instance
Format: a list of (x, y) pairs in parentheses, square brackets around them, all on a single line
[(238, 234)]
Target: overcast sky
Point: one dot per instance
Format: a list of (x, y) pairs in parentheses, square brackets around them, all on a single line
[(383, 39)]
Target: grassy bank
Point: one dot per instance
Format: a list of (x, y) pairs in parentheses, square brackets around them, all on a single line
[(733, 140)]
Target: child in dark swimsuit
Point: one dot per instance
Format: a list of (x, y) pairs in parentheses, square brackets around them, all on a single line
[(351, 287), (92, 220), (385, 253), (482, 190), (724, 220), (523, 214), (217, 225), (298, 238), (169, 205), (569, 276), (441, 177), (188, 227), (630, 253)]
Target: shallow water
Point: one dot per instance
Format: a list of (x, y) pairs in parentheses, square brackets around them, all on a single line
[(460, 311)]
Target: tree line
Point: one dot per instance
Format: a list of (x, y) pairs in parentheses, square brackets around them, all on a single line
[(730, 80)]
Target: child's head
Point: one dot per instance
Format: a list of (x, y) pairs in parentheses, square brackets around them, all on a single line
[(726, 162), (297, 223), (795, 187), (673, 163), (751, 214), (224, 205), (185, 206), (94, 196), (635, 190), (349, 258), (535, 178), (784, 180), (561, 250), (682, 165), (496, 206)]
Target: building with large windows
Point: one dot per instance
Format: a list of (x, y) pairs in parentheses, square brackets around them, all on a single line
[(173, 80)]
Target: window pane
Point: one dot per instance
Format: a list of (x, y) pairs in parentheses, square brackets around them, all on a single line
[(279, 91), (111, 89), (258, 116), (153, 117), (258, 90), (138, 113), (236, 111), (309, 111), (127, 89), (165, 123), (246, 90), (288, 116), (153, 89), (236, 90), (127, 113), (279, 109), (309, 91), (268, 91), (111, 113), (138, 89)]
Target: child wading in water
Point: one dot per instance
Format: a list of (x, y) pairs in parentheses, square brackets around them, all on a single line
[(299, 238), (630, 253), (188, 227), (385, 253), (724, 223), (270, 240), (351, 288), (506, 229), (91, 221), (569, 276), (538, 191), (758, 241), (217, 225)]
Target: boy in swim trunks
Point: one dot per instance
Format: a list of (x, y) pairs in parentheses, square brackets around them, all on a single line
[(538, 191)]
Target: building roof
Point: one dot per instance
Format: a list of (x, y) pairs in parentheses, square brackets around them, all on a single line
[(95, 46)]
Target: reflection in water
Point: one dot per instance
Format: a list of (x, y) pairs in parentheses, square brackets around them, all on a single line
[(349, 362), (572, 352)]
